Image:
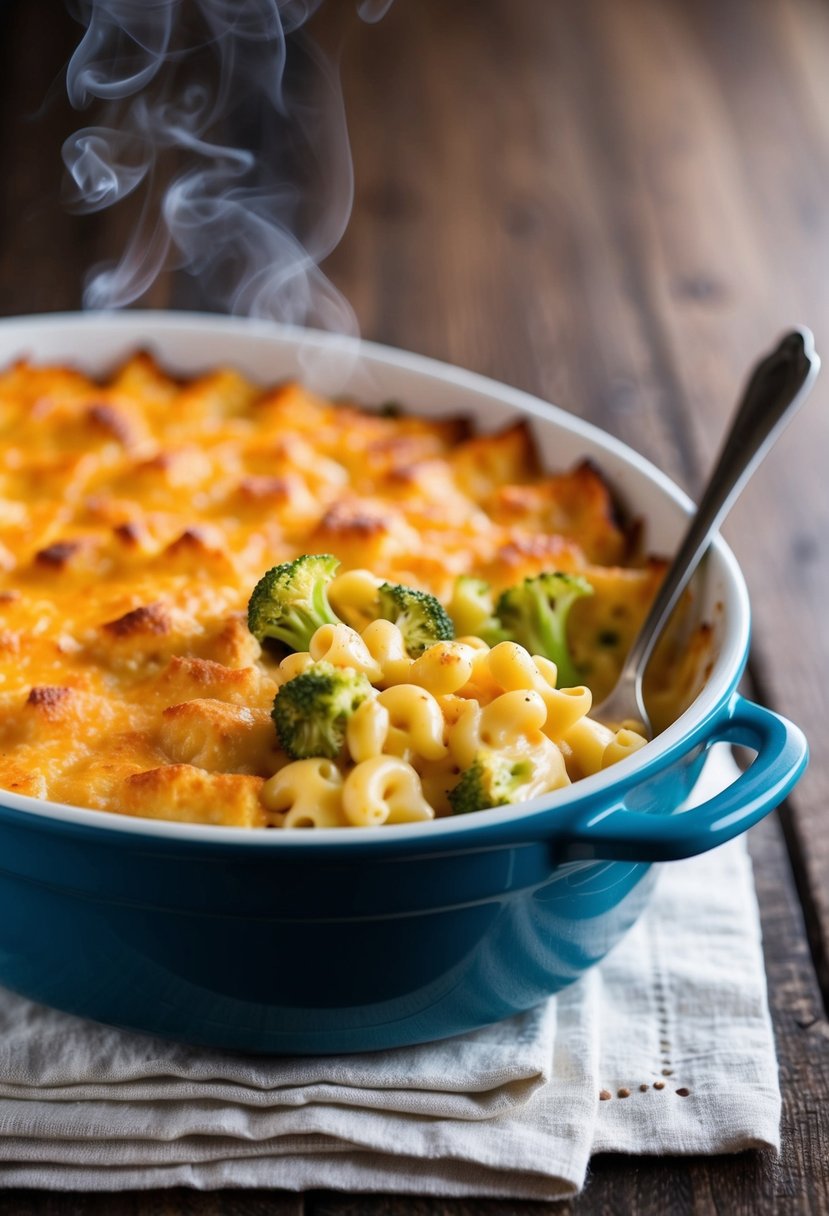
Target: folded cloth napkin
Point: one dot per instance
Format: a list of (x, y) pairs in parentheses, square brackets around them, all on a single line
[(666, 1047)]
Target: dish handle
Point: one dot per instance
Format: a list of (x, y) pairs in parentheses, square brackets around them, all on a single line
[(782, 755)]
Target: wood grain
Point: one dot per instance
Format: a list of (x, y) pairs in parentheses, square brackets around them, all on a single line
[(616, 207), (764, 246), (640, 204), (634, 216), (178, 1201)]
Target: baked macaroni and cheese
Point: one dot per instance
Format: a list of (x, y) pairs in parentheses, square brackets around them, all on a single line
[(472, 605)]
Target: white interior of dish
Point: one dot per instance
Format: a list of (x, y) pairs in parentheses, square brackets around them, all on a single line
[(188, 344)]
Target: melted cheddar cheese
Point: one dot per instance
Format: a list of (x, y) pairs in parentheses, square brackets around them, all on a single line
[(136, 515)]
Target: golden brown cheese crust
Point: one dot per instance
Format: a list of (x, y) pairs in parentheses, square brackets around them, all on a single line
[(137, 514), (191, 795)]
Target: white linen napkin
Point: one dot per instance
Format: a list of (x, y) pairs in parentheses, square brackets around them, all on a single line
[(666, 1047)]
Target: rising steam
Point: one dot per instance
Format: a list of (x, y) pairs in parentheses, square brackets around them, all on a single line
[(245, 183)]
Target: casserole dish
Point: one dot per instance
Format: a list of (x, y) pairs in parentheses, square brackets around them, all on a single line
[(329, 941)]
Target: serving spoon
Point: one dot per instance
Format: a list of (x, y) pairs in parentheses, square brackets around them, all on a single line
[(777, 387)]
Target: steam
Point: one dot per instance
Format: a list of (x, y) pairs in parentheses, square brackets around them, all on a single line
[(373, 10), (244, 183)]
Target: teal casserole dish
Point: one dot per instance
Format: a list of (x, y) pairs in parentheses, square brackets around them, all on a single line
[(349, 940)]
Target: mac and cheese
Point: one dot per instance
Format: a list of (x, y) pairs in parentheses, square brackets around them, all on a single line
[(137, 513)]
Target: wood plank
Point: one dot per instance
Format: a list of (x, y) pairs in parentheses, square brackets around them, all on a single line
[(751, 1182), (735, 173), (499, 248), (616, 207), (792, 648), (646, 246), (40, 254), (634, 194), (328, 1203), (177, 1201), (46, 251)]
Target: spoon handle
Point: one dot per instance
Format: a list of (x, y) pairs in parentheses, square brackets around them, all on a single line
[(777, 387)]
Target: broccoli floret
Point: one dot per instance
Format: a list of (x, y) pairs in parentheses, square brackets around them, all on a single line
[(290, 602), (472, 609), (534, 614), (495, 779), (420, 617), (311, 711)]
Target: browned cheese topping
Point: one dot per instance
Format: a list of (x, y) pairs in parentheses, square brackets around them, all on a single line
[(137, 515)]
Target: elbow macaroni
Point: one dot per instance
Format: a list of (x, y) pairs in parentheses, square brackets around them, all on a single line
[(384, 789), (305, 794), (343, 647), (353, 595), (444, 667), (415, 723), (428, 719), (367, 730), (385, 644)]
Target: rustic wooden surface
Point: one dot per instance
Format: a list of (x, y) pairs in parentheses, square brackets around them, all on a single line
[(615, 206)]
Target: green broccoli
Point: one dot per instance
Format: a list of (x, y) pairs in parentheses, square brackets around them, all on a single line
[(472, 609), (420, 617), (534, 614), (311, 711), (290, 602), (495, 779)]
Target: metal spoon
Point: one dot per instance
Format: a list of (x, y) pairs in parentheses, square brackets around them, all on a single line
[(777, 387)]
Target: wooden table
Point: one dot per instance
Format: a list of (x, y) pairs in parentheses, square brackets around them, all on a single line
[(615, 206)]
